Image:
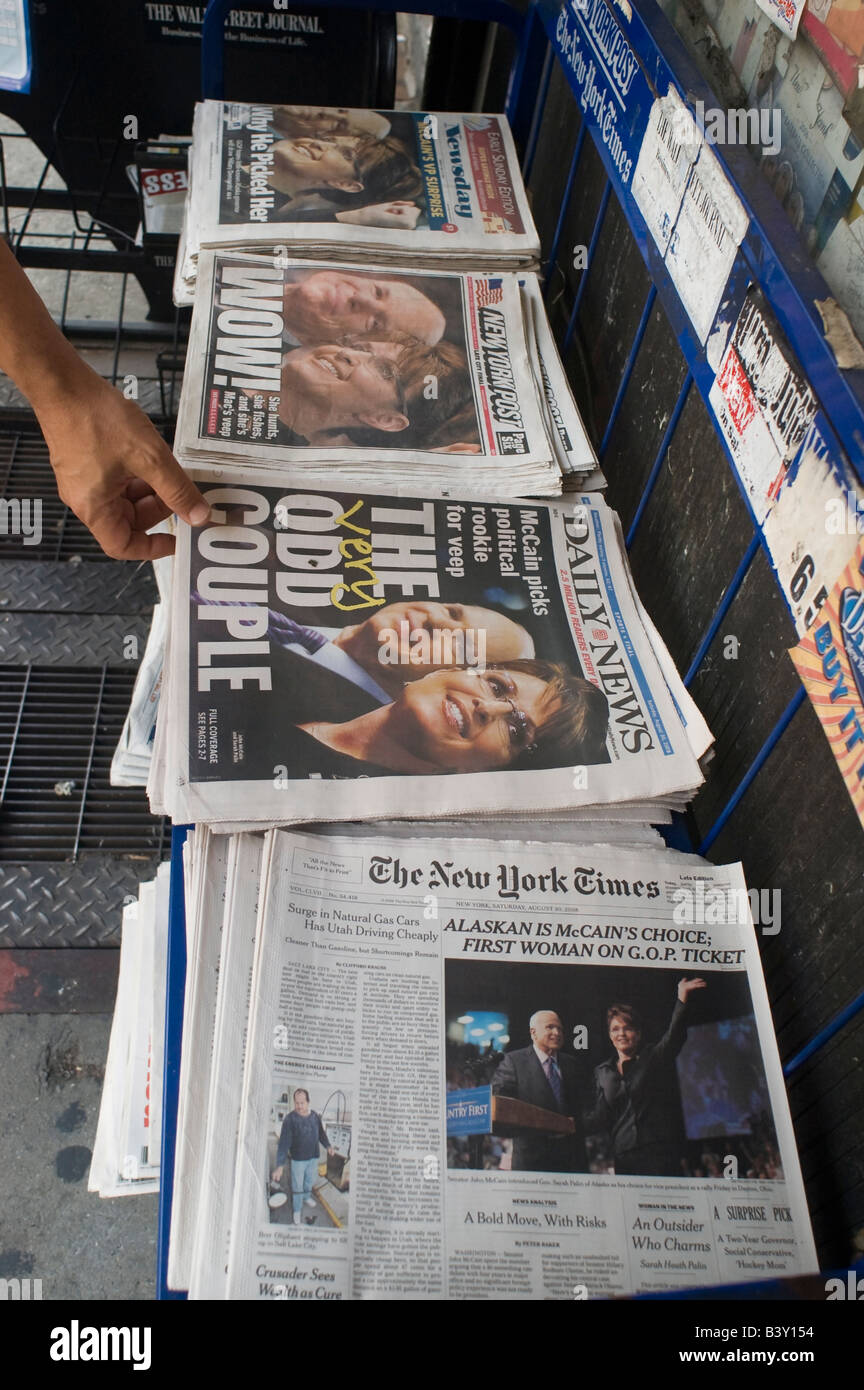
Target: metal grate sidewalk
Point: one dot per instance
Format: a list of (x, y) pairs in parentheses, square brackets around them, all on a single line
[(59, 727)]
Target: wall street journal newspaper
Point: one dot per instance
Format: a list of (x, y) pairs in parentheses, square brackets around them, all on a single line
[(352, 655), (504, 1070)]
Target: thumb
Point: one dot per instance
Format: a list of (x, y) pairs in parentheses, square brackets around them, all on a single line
[(175, 488)]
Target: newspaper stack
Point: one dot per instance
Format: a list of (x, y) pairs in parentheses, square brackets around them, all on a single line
[(396, 187), (348, 655), (409, 376), (577, 461), (400, 1072), (126, 1152)]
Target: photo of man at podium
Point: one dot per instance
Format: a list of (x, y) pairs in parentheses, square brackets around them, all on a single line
[(541, 1078)]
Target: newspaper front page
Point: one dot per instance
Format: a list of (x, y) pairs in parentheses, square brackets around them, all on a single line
[(337, 655), (376, 369), (415, 185), (506, 1071)]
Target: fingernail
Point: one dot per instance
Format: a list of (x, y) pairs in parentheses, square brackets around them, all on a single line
[(199, 514)]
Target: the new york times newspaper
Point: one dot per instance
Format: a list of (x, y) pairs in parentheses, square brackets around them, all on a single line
[(412, 182), (307, 361), (506, 1071), (352, 654)]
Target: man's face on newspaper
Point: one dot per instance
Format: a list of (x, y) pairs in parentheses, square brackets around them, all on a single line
[(371, 642), (468, 721), (547, 1032), (333, 304)]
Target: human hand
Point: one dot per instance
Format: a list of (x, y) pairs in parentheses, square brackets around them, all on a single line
[(115, 472), (396, 214), (687, 987), (276, 1175), (330, 1152)]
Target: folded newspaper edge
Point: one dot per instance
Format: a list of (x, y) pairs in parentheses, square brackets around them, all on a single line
[(573, 449)]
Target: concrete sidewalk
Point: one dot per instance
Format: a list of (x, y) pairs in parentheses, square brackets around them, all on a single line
[(51, 1227)]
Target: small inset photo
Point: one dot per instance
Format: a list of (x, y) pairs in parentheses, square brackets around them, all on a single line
[(309, 1155)]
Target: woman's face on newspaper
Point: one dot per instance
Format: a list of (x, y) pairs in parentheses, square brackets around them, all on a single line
[(341, 385), (317, 163), (329, 120), (623, 1036), (468, 721)]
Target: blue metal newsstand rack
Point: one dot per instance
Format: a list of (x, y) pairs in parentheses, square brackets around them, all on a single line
[(561, 79)]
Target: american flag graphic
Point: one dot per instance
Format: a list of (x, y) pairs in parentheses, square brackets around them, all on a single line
[(490, 291)]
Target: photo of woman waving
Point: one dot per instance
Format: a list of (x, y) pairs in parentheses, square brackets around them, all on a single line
[(636, 1090)]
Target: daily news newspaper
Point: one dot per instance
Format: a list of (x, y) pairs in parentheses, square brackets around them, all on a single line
[(352, 655), (403, 1132), (311, 362), (417, 186)]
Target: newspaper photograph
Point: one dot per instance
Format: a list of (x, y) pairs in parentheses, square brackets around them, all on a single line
[(313, 362), (509, 1071), (431, 657), (293, 1157), (414, 182)]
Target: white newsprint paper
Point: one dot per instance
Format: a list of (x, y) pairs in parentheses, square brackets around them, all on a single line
[(499, 1070)]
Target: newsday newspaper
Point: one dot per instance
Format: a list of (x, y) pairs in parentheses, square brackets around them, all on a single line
[(412, 186)]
